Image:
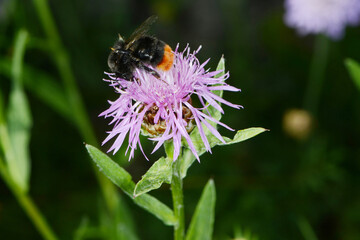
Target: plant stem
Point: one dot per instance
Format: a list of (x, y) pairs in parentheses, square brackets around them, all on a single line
[(28, 205), (62, 62), (316, 75), (178, 201)]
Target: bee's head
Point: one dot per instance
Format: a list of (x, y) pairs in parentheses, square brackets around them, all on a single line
[(118, 51), (115, 50), (117, 57)]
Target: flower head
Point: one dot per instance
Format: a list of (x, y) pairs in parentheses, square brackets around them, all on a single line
[(162, 108), (328, 17)]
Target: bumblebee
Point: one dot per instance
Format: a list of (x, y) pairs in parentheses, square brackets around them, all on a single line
[(140, 51)]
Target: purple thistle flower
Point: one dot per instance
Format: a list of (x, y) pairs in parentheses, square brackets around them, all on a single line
[(328, 17), (162, 108)]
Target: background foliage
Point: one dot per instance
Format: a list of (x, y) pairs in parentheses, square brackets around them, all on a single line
[(273, 186)]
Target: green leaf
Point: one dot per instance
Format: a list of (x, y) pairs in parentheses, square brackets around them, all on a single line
[(202, 222), (112, 170), (19, 125), (158, 173), (189, 158), (18, 120), (123, 180), (354, 70), (243, 135)]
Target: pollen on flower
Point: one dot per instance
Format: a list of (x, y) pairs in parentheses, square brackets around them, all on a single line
[(149, 126), (162, 108), (154, 129)]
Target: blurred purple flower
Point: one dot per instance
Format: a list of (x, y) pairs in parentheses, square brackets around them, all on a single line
[(328, 17), (162, 108)]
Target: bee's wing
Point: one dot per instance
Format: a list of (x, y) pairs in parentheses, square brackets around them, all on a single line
[(140, 31)]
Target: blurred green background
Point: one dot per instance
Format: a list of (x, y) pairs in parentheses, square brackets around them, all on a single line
[(275, 185)]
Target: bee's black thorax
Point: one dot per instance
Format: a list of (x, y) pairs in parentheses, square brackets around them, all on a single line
[(140, 51), (149, 50), (145, 50)]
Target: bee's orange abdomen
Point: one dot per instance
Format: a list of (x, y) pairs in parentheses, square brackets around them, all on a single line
[(167, 60)]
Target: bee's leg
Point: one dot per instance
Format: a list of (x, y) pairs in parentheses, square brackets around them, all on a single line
[(151, 71), (125, 76), (121, 87), (117, 85), (141, 65)]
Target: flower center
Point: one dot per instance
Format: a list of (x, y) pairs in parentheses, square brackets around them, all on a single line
[(150, 128)]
